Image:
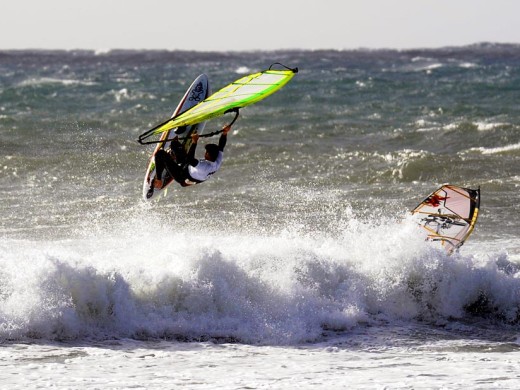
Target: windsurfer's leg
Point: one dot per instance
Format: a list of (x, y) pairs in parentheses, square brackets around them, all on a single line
[(159, 163), (178, 150), (164, 161)]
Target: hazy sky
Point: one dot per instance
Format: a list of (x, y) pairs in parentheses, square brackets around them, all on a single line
[(251, 25)]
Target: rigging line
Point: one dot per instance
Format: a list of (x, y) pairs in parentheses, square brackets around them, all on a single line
[(294, 70), (149, 133), (235, 110)]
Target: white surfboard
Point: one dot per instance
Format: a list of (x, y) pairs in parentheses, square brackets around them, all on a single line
[(196, 93)]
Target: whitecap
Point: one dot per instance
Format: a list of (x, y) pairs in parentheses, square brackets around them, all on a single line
[(52, 80), (497, 150), (242, 70), (468, 65), (483, 126)]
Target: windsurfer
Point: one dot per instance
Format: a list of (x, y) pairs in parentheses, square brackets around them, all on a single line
[(185, 168)]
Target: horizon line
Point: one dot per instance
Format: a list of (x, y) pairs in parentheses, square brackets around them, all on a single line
[(360, 48)]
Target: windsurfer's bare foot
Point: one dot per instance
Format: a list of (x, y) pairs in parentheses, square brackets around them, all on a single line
[(157, 183)]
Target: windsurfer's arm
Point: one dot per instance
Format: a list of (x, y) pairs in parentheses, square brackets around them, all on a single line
[(191, 153), (223, 138)]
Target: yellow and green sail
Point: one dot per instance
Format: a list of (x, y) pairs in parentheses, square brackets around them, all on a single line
[(240, 93)]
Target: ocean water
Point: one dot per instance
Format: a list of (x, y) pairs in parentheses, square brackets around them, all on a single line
[(296, 265)]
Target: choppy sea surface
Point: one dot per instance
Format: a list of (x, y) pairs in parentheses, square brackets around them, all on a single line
[(296, 265)]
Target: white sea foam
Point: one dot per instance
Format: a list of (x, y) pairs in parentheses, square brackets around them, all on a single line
[(486, 126), (369, 359), (451, 126), (468, 65), (498, 150), (51, 80), (242, 70), (272, 289)]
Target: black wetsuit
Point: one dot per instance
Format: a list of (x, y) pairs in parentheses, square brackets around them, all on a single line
[(178, 167)]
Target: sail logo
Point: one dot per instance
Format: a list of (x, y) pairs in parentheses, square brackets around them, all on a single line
[(196, 93), (435, 200)]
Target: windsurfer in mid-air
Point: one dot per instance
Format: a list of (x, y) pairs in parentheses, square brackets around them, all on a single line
[(184, 167)]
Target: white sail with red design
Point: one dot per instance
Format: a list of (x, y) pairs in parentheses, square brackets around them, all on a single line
[(449, 215)]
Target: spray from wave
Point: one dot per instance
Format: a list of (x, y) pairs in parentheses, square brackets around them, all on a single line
[(121, 280)]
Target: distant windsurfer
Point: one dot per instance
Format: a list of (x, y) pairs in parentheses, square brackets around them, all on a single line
[(184, 167)]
